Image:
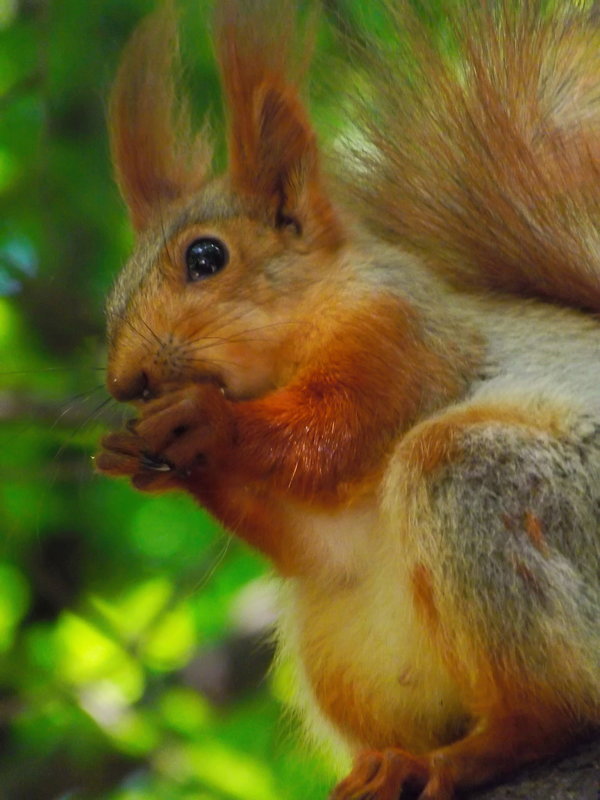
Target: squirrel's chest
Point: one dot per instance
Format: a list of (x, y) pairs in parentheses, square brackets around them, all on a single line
[(367, 659)]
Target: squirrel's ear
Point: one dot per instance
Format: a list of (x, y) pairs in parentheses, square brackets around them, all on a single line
[(273, 154), (157, 158)]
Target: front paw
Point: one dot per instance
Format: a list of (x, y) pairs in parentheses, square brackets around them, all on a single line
[(188, 430), (126, 454), (179, 435)]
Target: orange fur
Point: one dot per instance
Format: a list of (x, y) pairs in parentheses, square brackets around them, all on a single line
[(502, 742), (332, 425), (424, 595), (533, 527), (485, 155), (273, 155), (429, 447), (505, 740), (343, 704), (520, 720), (178, 319), (157, 159), (280, 391), (253, 515)]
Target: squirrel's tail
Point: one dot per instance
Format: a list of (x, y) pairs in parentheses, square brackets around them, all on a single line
[(482, 151)]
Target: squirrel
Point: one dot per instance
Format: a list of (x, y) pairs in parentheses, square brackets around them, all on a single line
[(383, 370)]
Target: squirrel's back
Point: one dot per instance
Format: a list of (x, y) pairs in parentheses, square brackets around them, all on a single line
[(482, 152)]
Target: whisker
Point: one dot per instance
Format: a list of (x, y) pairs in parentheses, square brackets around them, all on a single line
[(210, 332), (211, 570), (127, 321), (214, 330), (91, 416), (30, 419), (138, 333), (241, 336), (207, 361), (71, 400), (278, 325), (152, 333), (230, 318), (213, 342)]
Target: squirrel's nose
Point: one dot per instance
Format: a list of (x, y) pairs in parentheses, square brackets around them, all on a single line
[(130, 386)]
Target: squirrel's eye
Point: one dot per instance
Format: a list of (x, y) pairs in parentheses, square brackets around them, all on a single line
[(204, 258)]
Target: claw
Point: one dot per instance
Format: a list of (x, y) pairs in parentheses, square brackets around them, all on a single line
[(382, 775), (154, 463)]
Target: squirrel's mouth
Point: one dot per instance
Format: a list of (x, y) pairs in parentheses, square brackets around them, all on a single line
[(154, 389), (233, 390), (237, 371), (245, 381)]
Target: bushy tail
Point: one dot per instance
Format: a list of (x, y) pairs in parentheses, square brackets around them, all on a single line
[(482, 152)]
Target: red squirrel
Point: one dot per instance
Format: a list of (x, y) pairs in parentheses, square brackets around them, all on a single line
[(384, 376)]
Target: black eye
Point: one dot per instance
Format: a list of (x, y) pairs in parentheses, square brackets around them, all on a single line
[(204, 258)]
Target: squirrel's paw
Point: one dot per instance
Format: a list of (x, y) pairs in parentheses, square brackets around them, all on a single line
[(178, 434), (187, 429), (384, 774), (126, 454)]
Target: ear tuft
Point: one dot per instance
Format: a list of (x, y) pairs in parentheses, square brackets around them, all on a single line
[(157, 158), (273, 153)]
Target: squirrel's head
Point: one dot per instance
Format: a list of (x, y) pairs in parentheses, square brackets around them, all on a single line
[(225, 269)]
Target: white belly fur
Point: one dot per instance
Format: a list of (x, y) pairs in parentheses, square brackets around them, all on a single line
[(364, 654)]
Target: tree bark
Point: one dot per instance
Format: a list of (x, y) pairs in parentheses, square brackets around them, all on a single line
[(576, 777)]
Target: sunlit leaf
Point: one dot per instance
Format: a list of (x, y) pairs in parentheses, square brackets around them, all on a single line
[(170, 643), (133, 611), (220, 767), (184, 711), (86, 655)]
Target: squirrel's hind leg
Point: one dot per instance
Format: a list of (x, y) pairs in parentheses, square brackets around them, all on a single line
[(498, 506), (499, 744)]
